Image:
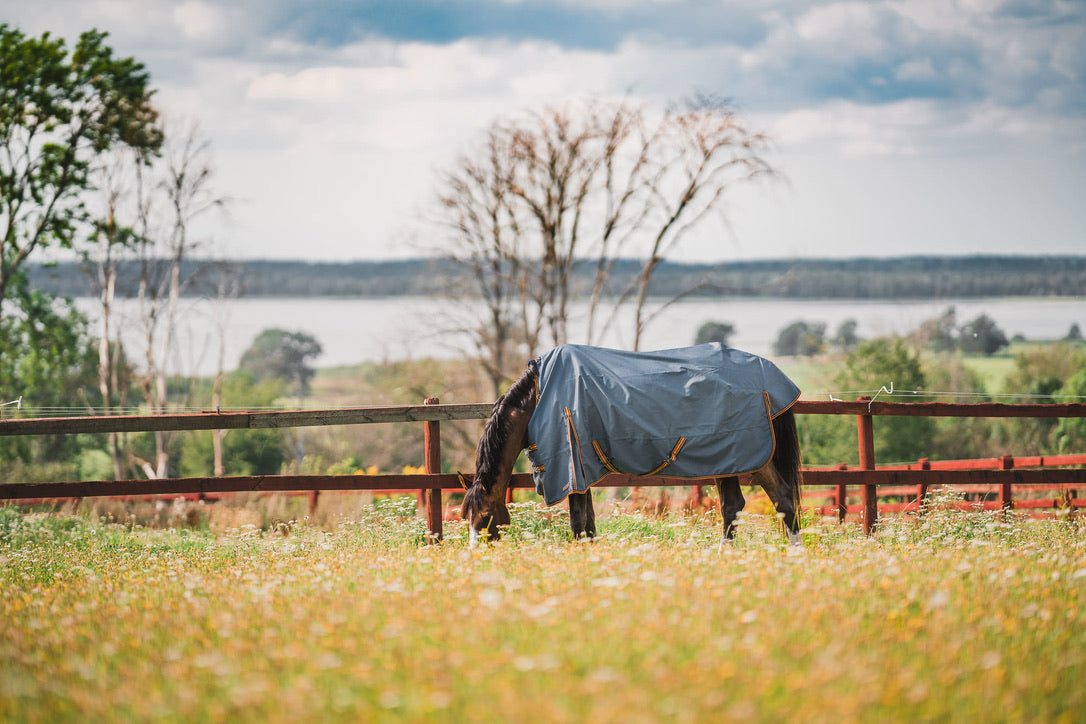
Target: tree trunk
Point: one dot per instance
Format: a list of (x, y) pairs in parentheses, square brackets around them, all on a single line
[(106, 374), (217, 435)]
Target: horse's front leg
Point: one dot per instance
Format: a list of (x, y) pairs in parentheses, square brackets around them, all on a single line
[(582, 516), (731, 502)]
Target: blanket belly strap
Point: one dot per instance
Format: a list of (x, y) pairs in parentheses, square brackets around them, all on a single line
[(608, 463)]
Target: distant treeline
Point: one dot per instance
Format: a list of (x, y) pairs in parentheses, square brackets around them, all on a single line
[(897, 278)]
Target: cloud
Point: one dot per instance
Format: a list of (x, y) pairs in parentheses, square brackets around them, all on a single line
[(200, 21), (850, 28), (323, 113)]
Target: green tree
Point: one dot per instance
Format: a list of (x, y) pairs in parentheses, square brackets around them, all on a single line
[(45, 359), (958, 438), (846, 338), (58, 114), (881, 363), (801, 338), (1038, 374), (828, 440), (278, 354), (1070, 432), (245, 452), (940, 333), (982, 336), (714, 332)]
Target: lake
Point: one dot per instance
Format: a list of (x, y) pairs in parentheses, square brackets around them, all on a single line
[(383, 329)]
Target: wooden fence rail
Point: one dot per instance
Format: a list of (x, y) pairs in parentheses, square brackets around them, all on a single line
[(867, 477)]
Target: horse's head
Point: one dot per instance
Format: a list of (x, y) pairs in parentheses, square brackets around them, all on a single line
[(485, 512), (504, 436)]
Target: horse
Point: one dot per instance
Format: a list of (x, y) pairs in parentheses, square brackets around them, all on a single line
[(727, 412)]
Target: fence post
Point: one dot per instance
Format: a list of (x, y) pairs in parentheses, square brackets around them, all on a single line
[(1006, 497), (841, 494), (865, 433), (432, 462)]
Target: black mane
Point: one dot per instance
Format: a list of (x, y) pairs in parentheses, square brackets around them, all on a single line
[(498, 427)]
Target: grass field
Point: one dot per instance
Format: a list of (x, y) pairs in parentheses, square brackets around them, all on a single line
[(955, 617)]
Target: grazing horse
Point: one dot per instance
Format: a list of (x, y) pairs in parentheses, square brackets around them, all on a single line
[(695, 413)]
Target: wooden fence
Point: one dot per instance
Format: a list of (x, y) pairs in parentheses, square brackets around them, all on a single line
[(431, 485)]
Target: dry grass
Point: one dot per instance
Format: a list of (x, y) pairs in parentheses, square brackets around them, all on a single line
[(958, 617)]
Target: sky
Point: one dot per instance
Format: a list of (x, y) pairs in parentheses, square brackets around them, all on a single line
[(899, 126)]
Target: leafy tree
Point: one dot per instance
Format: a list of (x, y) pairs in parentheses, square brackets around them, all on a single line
[(828, 440), (982, 336), (801, 338), (958, 437), (879, 363), (58, 113), (1070, 432), (940, 333), (846, 338), (245, 452), (873, 364), (1037, 375), (714, 332), (46, 360), (1074, 334), (278, 354)]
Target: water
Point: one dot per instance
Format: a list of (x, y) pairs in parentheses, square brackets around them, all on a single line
[(363, 330)]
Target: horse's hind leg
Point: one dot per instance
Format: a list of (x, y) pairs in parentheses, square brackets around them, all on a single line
[(731, 502), (784, 500), (582, 516)]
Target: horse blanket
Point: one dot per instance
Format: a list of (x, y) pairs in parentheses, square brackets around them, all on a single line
[(694, 412)]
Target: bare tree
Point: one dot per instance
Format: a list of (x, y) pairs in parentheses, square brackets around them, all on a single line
[(483, 238), (699, 153), (113, 235), (228, 285), (585, 183), (180, 194)]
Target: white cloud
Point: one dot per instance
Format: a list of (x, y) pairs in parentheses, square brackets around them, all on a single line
[(200, 20), (339, 141), (849, 25), (858, 130), (916, 70)]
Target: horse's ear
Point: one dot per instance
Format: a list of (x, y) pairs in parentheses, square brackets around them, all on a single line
[(463, 481)]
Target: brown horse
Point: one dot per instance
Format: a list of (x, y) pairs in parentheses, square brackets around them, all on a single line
[(506, 434)]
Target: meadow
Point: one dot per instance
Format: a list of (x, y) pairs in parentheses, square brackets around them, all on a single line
[(948, 616)]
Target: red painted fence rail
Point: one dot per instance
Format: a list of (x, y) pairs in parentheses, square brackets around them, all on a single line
[(1004, 474)]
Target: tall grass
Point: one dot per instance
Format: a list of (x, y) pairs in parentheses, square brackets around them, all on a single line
[(954, 616)]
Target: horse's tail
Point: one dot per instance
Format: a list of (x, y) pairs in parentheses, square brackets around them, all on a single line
[(786, 457)]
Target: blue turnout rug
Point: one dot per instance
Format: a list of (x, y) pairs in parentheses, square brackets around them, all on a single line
[(694, 412)]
